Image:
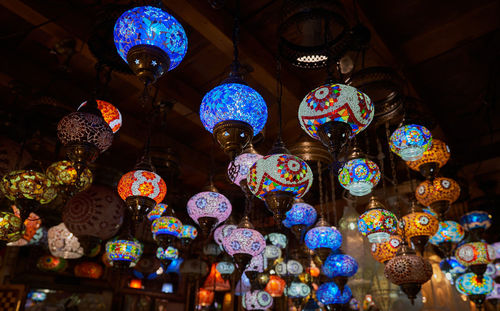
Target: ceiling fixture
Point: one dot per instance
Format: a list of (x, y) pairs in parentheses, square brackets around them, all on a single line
[(64, 175), (323, 239), (438, 194), (359, 175), (110, 113), (166, 229), (410, 141), (385, 251), (300, 217), (432, 159), (377, 223), (124, 253), (417, 227), (208, 209)]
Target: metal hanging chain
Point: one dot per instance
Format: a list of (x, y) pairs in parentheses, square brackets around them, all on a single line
[(381, 158), (320, 183), (334, 202), (235, 66), (393, 167)]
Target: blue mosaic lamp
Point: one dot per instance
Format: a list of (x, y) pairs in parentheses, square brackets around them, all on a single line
[(448, 234), (410, 141), (151, 41), (476, 222), (359, 176), (299, 218), (339, 267), (331, 296), (323, 239), (477, 288)]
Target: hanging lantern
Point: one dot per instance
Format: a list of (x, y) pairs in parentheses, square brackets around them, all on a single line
[(225, 267), (151, 41), (276, 286), (257, 300), (277, 239), (333, 113), (89, 270), (339, 267), (124, 253), (332, 297), (359, 176), (385, 251), (323, 239), (208, 209), (62, 243), (439, 194), (51, 263), (410, 141), (418, 227), (300, 217), (297, 290), (476, 222), (271, 253), (31, 226), (377, 223), (157, 211), (110, 113), (215, 282), (166, 229), (409, 271), (64, 174), (476, 255), (222, 232), (451, 268), (432, 159), (289, 269), (238, 168), (475, 287), (167, 255), (279, 179), (448, 234), (234, 113), (188, 234), (205, 297), (11, 227)]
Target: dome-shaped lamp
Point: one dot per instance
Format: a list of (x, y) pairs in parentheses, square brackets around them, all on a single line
[(333, 113), (332, 297), (208, 209), (238, 169), (408, 270), (385, 251), (323, 239), (151, 41), (300, 217), (410, 141), (439, 194), (359, 176), (339, 267), (476, 256), (110, 113), (476, 222), (257, 300), (123, 253), (278, 179), (432, 159), (418, 227), (275, 286), (167, 228), (157, 211), (64, 175), (11, 227), (188, 234), (377, 223), (448, 234), (476, 288), (451, 268)]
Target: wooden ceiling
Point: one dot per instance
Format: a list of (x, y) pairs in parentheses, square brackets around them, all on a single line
[(447, 51)]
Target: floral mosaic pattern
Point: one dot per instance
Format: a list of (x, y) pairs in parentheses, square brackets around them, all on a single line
[(82, 127), (168, 225), (28, 184), (418, 224), (244, 241), (189, 232), (124, 250), (470, 284), (449, 231), (475, 253), (277, 239), (359, 176), (410, 141), (64, 173), (209, 204), (439, 189), (222, 232), (142, 183), (10, 227), (110, 113), (257, 300), (238, 169), (339, 265), (297, 290), (157, 211), (290, 267), (377, 224)]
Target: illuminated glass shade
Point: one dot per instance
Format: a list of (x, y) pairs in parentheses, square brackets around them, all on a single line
[(238, 169), (124, 251), (476, 220), (335, 102), (235, 102), (167, 225), (225, 267), (157, 211), (82, 127), (51, 263), (359, 176), (297, 290), (470, 284), (10, 227), (280, 172), (244, 241), (339, 265), (329, 294), (215, 282), (170, 253), (300, 214), (439, 189), (209, 204), (449, 231), (451, 267), (377, 224), (438, 153), (387, 250), (419, 224), (475, 253), (257, 300), (64, 173), (272, 252), (148, 25), (323, 237), (410, 141), (256, 264), (222, 232), (62, 243), (189, 232), (142, 183), (277, 239), (110, 113), (28, 184), (205, 297), (275, 286), (291, 267), (89, 270)]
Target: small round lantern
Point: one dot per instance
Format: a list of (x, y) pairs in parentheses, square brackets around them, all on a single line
[(299, 218), (339, 267), (476, 222), (439, 194), (64, 174), (205, 297), (257, 300), (31, 226), (359, 176), (166, 229), (432, 159), (297, 290), (331, 296), (208, 209), (277, 239), (124, 253), (323, 239), (276, 286), (418, 227), (242, 244), (222, 232), (225, 268), (377, 223), (385, 251), (410, 141), (239, 168), (451, 268), (188, 234), (157, 211), (215, 282), (110, 113), (89, 270), (167, 255), (448, 234), (476, 255)]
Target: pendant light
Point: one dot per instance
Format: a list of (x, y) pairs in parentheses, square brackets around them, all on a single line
[(410, 141), (359, 174), (418, 226), (377, 223), (432, 159), (166, 229), (438, 194), (300, 217), (448, 235)]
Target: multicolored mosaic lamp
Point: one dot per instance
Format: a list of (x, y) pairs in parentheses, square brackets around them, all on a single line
[(297, 290), (278, 179), (377, 223), (439, 194), (333, 113), (359, 176), (64, 175), (124, 253), (476, 256), (410, 141), (167, 255), (476, 222), (451, 268), (300, 217), (257, 300), (151, 41), (11, 227), (475, 287), (385, 251), (330, 295), (323, 239), (188, 234), (208, 209), (62, 243), (339, 267), (432, 159), (418, 227), (166, 229), (448, 234), (157, 211), (110, 113), (289, 269), (238, 168)]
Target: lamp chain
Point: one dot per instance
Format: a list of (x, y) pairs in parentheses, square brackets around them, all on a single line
[(279, 92), (235, 66), (394, 172), (320, 185), (381, 158), (334, 200)]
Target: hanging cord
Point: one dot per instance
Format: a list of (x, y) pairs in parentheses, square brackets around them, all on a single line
[(235, 66), (320, 183), (334, 202), (394, 173)]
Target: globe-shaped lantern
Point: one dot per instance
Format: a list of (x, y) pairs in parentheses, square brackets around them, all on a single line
[(141, 190), (63, 243), (234, 113), (418, 227), (151, 41), (451, 268), (257, 300), (409, 271), (51, 263), (222, 232), (124, 253), (110, 113), (11, 227), (439, 194), (323, 239), (238, 168), (475, 287), (331, 296), (377, 223), (89, 270), (339, 267), (359, 176), (279, 179), (410, 141), (166, 230), (188, 234), (448, 234), (297, 290), (385, 251), (476, 255), (289, 269), (276, 286), (157, 211), (225, 268), (299, 218), (64, 175), (333, 113), (476, 222), (271, 253), (166, 255), (208, 209), (432, 159), (277, 239)]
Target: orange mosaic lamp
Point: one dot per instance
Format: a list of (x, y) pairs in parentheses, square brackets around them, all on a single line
[(89, 270), (64, 174), (276, 286), (31, 225), (385, 251), (418, 227), (438, 194), (110, 113), (215, 282), (205, 297), (432, 160)]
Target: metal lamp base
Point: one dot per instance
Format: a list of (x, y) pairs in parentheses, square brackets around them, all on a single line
[(242, 261), (206, 225), (148, 62), (411, 290), (429, 170), (233, 136), (140, 206), (279, 202), (440, 207), (419, 242), (81, 154), (334, 135)]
